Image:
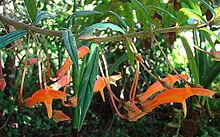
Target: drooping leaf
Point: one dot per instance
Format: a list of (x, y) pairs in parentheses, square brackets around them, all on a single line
[(181, 17), (11, 37), (192, 14), (125, 26), (162, 10), (195, 5), (209, 7), (211, 33), (70, 44), (101, 26), (144, 11), (87, 84), (43, 15), (31, 8), (81, 14), (192, 62)]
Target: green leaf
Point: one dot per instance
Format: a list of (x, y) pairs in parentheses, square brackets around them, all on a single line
[(211, 33), (211, 74), (31, 8), (11, 37), (181, 17), (144, 11), (125, 26), (163, 10), (195, 5), (208, 7), (70, 44), (43, 15), (193, 14), (101, 26), (81, 14), (87, 84), (123, 58), (192, 62)]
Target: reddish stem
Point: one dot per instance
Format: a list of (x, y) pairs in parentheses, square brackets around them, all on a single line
[(114, 105), (48, 63)]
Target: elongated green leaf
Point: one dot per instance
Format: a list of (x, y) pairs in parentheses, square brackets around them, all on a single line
[(31, 8), (191, 59), (209, 7), (101, 26), (163, 10), (195, 5), (43, 15), (192, 14), (125, 26), (85, 13), (81, 14), (211, 33), (70, 44), (86, 87), (11, 37), (141, 7), (211, 74)]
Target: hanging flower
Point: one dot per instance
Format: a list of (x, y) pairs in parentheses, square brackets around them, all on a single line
[(46, 96), (100, 84)]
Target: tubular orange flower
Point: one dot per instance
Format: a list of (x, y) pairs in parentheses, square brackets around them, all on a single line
[(46, 96), (82, 51), (176, 95), (134, 113), (66, 66), (58, 116), (157, 86), (100, 84)]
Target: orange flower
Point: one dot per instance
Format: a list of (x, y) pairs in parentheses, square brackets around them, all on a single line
[(66, 66), (58, 116), (46, 96), (134, 113), (157, 86), (82, 51), (176, 95), (100, 84), (73, 101)]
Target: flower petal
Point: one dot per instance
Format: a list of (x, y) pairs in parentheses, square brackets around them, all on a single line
[(73, 101), (63, 81), (48, 104), (82, 51), (157, 86), (66, 66), (58, 116)]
